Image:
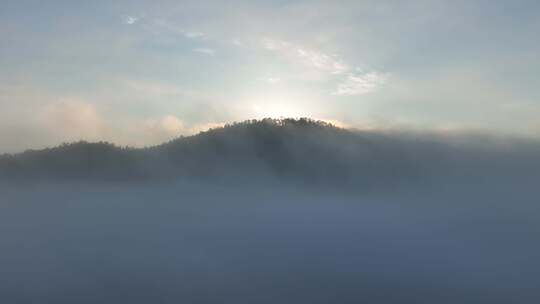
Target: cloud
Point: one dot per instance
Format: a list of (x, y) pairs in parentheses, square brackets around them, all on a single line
[(314, 59), (328, 66), (73, 119), (166, 127), (275, 45), (360, 84), (172, 28), (192, 35), (130, 19), (34, 118), (205, 51), (322, 61)]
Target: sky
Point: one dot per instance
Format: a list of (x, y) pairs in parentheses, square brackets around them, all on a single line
[(141, 72)]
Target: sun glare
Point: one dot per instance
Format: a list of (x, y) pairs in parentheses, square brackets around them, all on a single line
[(276, 104), (275, 110)]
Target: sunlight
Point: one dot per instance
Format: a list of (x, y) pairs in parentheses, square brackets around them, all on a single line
[(275, 110), (276, 103)]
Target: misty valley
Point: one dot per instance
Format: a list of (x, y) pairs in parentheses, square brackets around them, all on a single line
[(274, 211)]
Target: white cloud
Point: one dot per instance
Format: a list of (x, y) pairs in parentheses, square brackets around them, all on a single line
[(205, 51), (192, 34), (360, 84), (130, 19), (167, 126), (73, 119), (171, 28), (314, 59), (322, 66), (275, 45), (322, 61)]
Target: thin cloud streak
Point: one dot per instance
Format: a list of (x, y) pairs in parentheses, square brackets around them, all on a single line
[(205, 51), (330, 65), (361, 84), (307, 57)]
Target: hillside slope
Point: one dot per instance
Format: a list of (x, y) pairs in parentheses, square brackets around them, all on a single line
[(301, 150)]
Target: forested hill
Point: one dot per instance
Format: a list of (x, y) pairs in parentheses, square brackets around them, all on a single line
[(302, 150)]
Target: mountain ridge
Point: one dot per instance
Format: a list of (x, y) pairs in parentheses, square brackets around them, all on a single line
[(301, 150)]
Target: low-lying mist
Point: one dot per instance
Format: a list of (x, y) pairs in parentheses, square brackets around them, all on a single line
[(288, 211)]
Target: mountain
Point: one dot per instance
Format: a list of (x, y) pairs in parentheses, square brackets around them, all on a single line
[(300, 150)]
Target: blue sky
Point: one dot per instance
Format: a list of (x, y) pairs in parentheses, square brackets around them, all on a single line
[(140, 72)]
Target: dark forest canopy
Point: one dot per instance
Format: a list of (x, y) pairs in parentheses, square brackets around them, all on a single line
[(302, 150)]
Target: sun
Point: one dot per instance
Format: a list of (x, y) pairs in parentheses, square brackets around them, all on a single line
[(275, 110), (276, 104)]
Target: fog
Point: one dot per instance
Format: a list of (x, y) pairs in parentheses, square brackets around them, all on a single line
[(455, 221)]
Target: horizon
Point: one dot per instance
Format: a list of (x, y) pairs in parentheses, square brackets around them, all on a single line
[(443, 135)]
